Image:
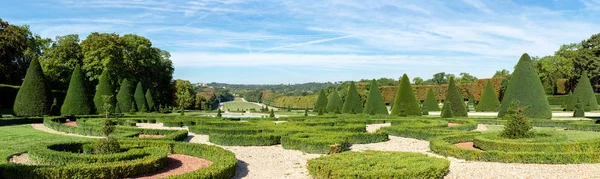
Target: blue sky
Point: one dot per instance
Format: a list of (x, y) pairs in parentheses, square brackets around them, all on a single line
[(258, 42)]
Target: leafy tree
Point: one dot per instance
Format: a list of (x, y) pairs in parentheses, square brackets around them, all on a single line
[(439, 78), (466, 78), (150, 101), (489, 100), (405, 99), (34, 97), (518, 125), (502, 74), (60, 59), (184, 94), (104, 88), (352, 104), (125, 97), (456, 100), (417, 80), (525, 87), (447, 110), (321, 104), (335, 102), (140, 98), (375, 103), (430, 102), (77, 100), (552, 68), (579, 111), (583, 93), (18, 47)]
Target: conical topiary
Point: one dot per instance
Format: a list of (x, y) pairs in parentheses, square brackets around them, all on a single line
[(489, 100), (455, 99), (321, 103), (34, 97), (140, 98), (567, 101), (446, 110), (405, 99), (335, 102), (375, 103), (525, 90), (104, 88), (150, 101), (430, 102), (352, 104), (77, 100), (583, 93), (579, 111), (125, 97)]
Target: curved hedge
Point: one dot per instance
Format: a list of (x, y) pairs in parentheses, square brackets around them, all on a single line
[(68, 153), (314, 143), (245, 139), (378, 164)]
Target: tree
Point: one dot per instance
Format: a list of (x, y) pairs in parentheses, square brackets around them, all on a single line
[(579, 111), (352, 104), (447, 110), (140, 98), (104, 88), (125, 97), (272, 114), (18, 47), (77, 100), (517, 125), (34, 97), (375, 103), (466, 78), (60, 59), (439, 78), (525, 87), (417, 80), (219, 113), (321, 103), (430, 102), (488, 101), (150, 101), (335, 102), (306, 112), (405, 99), (502, 73), (552, 68), (455, 99), (184, 94), (584, 94)]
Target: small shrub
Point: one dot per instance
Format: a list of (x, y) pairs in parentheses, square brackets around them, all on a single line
[(106, 146), (518, 125), (335, 148), (579, 111), (446, 110)]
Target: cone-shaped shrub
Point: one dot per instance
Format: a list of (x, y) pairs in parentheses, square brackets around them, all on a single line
[(150, 101), (140, 98), (584, 93), (526, 88), (104, 88), (125, 97), (34, 97), (568, 101), (489, 100), (430, 102), (77, 101), (375, 103), (334, 102), (457, 102), (579, 111), (405, 99), (321, 103), (352, 104), (446, 110)]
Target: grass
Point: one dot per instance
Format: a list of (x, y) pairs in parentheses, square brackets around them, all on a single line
[(571, 135), (20, 138), (234, 106)]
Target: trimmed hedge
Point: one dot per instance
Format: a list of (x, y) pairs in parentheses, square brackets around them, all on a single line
[(321, 104), (77, 101), (352, 104), (375, 104), (35, 96), (489, 99), (405, 102), (70, 153), (334, 102), (260, 139), (20, 120), (314, 143), (456, 100), (105, 87)]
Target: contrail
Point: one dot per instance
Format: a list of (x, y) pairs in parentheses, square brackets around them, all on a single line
[(307, 43)]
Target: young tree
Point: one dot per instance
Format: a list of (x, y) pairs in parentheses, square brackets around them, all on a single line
[(104, 88), (335, 101), (125, 97), (583, 93), (579, 111), (518, 125), (272, 114), (184, 94), (150, 101), (447, 110), (455, 99), (352, 104), (405, 99), (489, 100), (430, 102), (375, 103), (525, 87), (34, 97), (77, 100), (140, 98), (219, 113), (321, 103)]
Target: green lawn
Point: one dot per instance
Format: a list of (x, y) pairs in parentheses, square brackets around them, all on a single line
[(20, 138), (571, 135), (234, 106)]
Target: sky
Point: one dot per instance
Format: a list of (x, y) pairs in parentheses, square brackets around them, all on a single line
[(281, 42)]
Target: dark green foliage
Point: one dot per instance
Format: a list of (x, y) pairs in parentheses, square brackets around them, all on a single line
[(579, 111), (34, 97), (125, 97), (104, 88), (447, 110), (352, 104), (405, 99), (272, 114), (425, 112), (320, 113), (55, 109), (583, 93), (140, 98), (375, 103), (77, 101), (306, 112), (565, 100), (219, 113), (525, 87), (150, 101), (321, 103), (430, 102), (335, 102), (455, 99), (117, 109), (489, 100), (517, 125)]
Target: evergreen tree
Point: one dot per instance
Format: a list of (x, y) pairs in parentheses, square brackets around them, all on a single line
[(140, 98), (488, 100), (306, 112), (517, 125), (568, 100), (34, 97), (104, 88), (457, 102), (125, 97), (77, 100), (447, 110), (117, 109), (150, 101), (583, 93), (430, 102), (352, 104), (375, 103), (526, 88), (405, 99), (579, 111), (272, 114), (219, 113), (334, 102), (321, 103)]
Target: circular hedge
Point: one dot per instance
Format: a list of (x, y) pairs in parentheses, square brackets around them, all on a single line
[(378, 164)]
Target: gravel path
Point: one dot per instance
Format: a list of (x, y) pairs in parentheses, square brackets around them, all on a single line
[(481, 127), (375, 127), (177, 164), (41, 127), (21, 159)]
